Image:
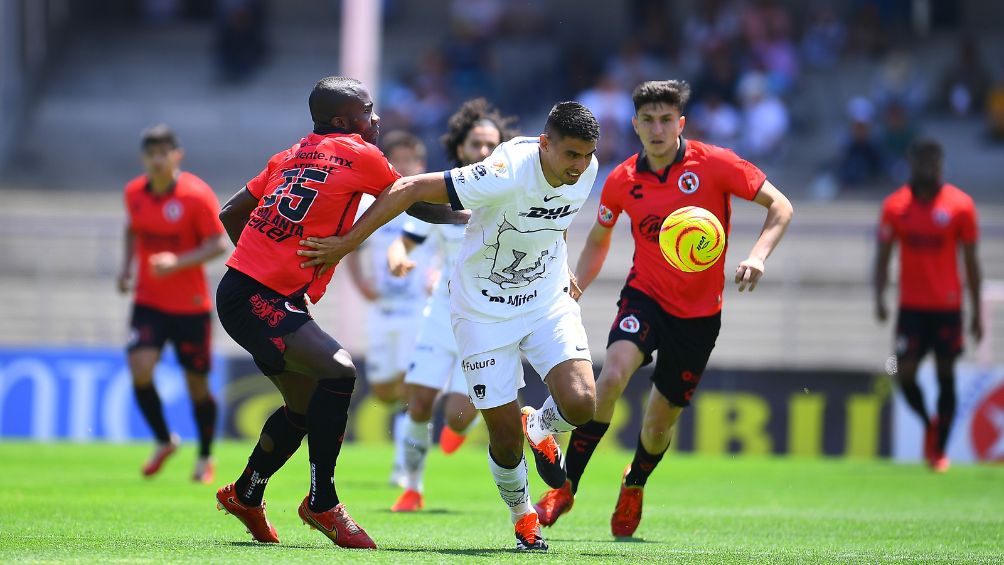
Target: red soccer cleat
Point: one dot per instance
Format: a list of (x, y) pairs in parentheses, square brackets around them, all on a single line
[(627, 514), (337, 525), (160, 454), (528, 536), (546, 455), (252, 517), (450, 441), (554, 503), (409, 501)]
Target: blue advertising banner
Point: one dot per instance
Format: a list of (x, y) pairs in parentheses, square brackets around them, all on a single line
[(86, 394)]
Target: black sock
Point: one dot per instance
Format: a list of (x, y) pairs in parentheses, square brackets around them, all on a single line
[(205, 421), (642, 466), (581, 446), (915, 399), (946, 410), (281, 434), (327, 416), (153, 412)]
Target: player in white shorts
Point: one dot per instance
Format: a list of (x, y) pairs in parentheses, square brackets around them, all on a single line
[(472, 134), (395, 303), (509, 291)]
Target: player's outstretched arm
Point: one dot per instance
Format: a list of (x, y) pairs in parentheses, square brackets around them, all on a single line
[(974, 279), (328, 251), (779, 213), (236, 213), (128, 251), (881, 279), (438, 213), (166, 263), (593, 254), (398, 262)]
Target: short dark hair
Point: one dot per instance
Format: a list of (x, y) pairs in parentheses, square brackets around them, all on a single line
[(470, 115), (925, 149), (672, 92), (400, 138), (571, 119), (156, 135), (328, 95)]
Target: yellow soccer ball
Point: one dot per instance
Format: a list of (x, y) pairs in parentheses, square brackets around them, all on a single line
[(692, 239)]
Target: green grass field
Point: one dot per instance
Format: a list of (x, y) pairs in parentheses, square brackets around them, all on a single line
[(87, 503)]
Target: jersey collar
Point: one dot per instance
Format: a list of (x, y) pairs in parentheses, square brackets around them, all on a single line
[(641, 165), (148, 188)]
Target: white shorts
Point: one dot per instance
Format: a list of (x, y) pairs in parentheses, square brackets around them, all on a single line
[(436, 368), (391, 341), (494, 376)]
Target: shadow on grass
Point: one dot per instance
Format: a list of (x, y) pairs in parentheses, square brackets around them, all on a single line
[(460, 551), (608, 540), (421, 512), (265, 546)]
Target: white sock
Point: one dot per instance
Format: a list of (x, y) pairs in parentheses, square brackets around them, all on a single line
[(513, 487), (399, 430), (415, 439), (545, 421)]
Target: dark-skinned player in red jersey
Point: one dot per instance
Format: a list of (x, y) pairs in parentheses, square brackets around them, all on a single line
[(310, 189), (173, 229), (930, 219), (660, 307)]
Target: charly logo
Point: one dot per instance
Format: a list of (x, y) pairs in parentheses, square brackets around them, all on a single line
[(630, 324), (688, 183), (173, 210)]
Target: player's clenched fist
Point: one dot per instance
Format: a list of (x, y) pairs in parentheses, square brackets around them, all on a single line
[(748, 273)]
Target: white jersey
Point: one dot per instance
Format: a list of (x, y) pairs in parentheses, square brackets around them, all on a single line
[(398, 294), (446, 239), (514, 261)]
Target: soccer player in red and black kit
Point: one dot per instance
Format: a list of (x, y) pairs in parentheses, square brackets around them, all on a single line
[(930, 218), (660, 307), (310, 189), (173, 229)]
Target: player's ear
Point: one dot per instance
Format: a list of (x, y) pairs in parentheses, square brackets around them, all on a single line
[(179, 154), (544, 141), (683, 122), (634, 123)]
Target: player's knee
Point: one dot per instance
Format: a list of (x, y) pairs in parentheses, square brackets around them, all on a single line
[(420, 409), (341, 366), (610, 386), (508, 453), (579, 409)]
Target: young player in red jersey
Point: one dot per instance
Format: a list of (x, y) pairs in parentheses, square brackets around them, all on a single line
[(310, 189), (173, 229), (662, 308), (930, 218)]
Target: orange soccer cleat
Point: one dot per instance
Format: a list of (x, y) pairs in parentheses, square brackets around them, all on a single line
[(554, 503), (337, 525), (450, 441), (627, 514), (252, 517), (528, 536), (160, 454), (409, 501), (205, 471), (546, 455)]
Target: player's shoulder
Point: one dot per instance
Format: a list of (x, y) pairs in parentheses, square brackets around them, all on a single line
[(711, 154), (957, 196), (136, 186), (899, 198), (351, 142), (624, 173), (519, 149)]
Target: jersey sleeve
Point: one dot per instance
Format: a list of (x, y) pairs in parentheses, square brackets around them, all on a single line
[(259, 183), (740, 177), (378, 173), (207, 215), (610, 200), (887, 223), (968, 231), (483, 184), (416, 230)]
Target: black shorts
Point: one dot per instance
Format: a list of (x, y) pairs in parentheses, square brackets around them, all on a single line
[(919, 331), (684, 344), (190, 334), (258, 318)]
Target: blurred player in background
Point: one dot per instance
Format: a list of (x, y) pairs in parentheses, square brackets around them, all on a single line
[(509, 292), (930, 218), (472, 134), (173, 229), (395, 303), (312, 188), (660, 307)]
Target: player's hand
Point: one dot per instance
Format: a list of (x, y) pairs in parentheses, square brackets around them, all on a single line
[(163, 263), (748, 273), (881, 313), (369, 293), (124, 283), (325, 252), (400, 267), (976, 326), (573, 287)]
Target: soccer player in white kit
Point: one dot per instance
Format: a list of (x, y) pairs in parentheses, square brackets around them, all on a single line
[(473, 132), (395, 303), (509, 291)]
